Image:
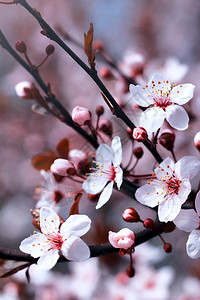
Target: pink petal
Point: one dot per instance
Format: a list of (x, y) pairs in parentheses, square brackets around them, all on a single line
[(49, 221), (75, 249), (169, 208), (118, 177), (75, 225), (177, 117), (105, 195), (187, 167), (48, 260), (35, 245), (150, 194), (117, 149), (193, 244), (187, 220), (184, 190), (152, 118), (181, 94), (104, 154)]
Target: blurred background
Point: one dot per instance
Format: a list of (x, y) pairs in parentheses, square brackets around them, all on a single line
[(141, 37)]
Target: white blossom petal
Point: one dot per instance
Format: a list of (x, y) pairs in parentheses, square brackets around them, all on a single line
[(94, 185), (193, 244), (118, 177), (187, 220), (187, 167), (48, 260), (105, 195), (117, 149), (104, 154), (197, 203), (75, 225), (49, 221), (75, 249), (181, 94), (159, 82), (169, 208), (165, 169), (152, 118), (184, 190), (150, 194), (35, 245), (177, 117), (142, 95)]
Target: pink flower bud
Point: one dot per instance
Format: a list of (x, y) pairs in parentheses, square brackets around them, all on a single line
[(167, 248), (20, 47), (197, 140), (138, 152), (99, 110), (81, 115), (63, 167), (23, 90), (106, 127), (140, 134), (50, 49), (167, 139), (130, 272), (131, 215), (125, 238), (149, 223)]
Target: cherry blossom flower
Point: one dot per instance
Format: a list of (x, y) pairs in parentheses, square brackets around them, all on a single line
[(188, 220), (106, 171), (162, 101), (171, 187), (125, 238), (47, 244)]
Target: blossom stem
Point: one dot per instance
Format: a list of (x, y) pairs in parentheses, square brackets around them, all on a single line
[(50, 33)]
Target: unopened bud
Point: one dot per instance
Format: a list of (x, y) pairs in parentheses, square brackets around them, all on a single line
[(131, 215), (81, 115), (50, 49), (129, 132), (130, 272), (23, 89), (98, 45), (20, 47), (197, 140), (106, 73), (167, 139), (63, 167), (167, 248), (140, 134), (99, 110), (138, 152), (149, 223), (106, 127)]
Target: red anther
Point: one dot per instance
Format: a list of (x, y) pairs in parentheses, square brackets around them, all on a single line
[(131, 215), (20, 47), (138, 152), (130, 272), (50, 49), (99, 110), (140, 134), (149, 223), (167, 139), (167, 248)]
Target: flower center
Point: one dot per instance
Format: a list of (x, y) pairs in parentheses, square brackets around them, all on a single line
[(162, 101), (173, 185), (56, 241)]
